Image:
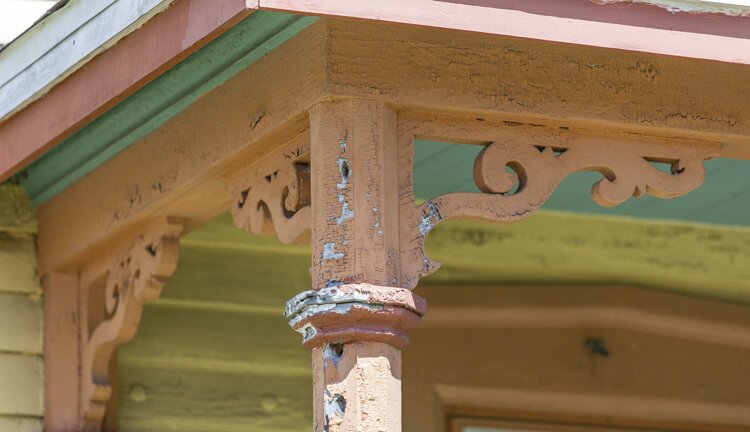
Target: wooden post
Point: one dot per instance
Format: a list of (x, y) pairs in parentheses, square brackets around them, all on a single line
[(61, 353), (356, 319)]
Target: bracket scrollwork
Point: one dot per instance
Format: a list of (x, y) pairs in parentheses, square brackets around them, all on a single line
[(273, 195), (521, 167), (113, 294)]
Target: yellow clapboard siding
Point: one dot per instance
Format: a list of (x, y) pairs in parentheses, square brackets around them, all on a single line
[(21, 379), (20, 323), (556, 247), (189, 334), (216, 341), (18, 264), (20, 424), (178, 400)]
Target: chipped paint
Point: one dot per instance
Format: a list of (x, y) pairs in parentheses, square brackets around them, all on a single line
[(346, 212), (376, 225), (334, 407), (333, 353), (327, 300), (307, 331), (342, 141), (329, 253), (340, 308), (345, 173), (430, 220)]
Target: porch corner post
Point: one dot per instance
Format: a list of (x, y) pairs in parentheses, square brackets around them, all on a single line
[(357, 317)]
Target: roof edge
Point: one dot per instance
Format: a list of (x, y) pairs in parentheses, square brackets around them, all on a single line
[(62, 42)]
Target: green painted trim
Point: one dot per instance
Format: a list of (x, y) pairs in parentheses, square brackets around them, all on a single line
[(159, 101)]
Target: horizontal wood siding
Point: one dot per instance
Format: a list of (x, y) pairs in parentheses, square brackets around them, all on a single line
[(21, 316), (214, 353)]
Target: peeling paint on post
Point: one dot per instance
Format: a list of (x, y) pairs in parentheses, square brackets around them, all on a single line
[(330, 254), (360, 317), (345, 172), (346, 213), (429, 220)]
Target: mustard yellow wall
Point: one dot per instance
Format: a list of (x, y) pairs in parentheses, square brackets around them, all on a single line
[(21, 317), (214, 353)]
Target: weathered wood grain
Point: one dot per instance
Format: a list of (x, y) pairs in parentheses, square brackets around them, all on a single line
[(538, 82), (182, 166), (168, 399), (561, 247), (214, 347)]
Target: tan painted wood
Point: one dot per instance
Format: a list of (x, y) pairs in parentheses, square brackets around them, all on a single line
[(526, 81), (539, 159), (196, 154), (61, 353), (358, 389), (111, 295), (361, 233), (273, 195), (573, 87), (354, 206), (355, 239), (651, 379), (671, 414)]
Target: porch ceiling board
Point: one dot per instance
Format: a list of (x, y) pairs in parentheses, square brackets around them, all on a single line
[(644, 26)]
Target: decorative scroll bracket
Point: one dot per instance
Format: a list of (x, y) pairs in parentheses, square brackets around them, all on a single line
[(113, 291), (273, 195), (517, 171), (522, 165)]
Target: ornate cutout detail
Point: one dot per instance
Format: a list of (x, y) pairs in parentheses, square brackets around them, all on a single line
[(522, 165), (113, 311), (273, 195)]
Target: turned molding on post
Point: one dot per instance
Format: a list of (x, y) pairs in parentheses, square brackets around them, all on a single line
[(348, 186), (90, 313)]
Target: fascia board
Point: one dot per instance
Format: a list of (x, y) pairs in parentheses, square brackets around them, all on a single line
[(63, 42)]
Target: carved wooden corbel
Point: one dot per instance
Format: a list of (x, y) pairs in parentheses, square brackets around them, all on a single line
[(521, 165), (273, 195), (112, 293)]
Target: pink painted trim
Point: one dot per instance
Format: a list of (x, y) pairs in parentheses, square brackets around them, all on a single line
[(113, 75), (632, 27)]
